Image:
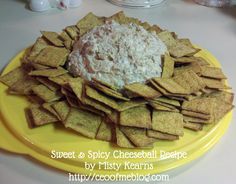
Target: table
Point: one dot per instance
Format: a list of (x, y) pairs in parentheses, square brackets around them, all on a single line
[(212, 28)]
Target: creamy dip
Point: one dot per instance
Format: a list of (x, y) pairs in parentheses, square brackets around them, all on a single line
[(117, 54)]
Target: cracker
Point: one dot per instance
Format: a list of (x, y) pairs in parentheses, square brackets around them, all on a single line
[(142, 90), (84, 122), (201, 61), (138, 136), (48, 107), (158, 87), (167, 67), (160, 107), (220, 110), (77, 87), (190, 81), (167, 38), (194, 66), (89, 22), (122, 19), (169, 101), (53, 38), (171, 86), (163, 104), (90, 109), (46, 94), (104, 84), (62, 79), (122, 140), (97, 105), (136, 117), (194, 119), (183, 60), (185, 41), (193, 126), (212, 72), (69, 44), (13, 76), (201, 105), (189, 60), (110, 92), (62, 109), (38, 116), (206, 117), (37, 66), (52, 56), (214, 83), (38, 46), (168, 122), (65, 36), (72, 31), (225, 96), (24, 86), (122, 106), (51, 85), (162, 136), (113, 117), (48, 72), (92, 93), (104, 131), (180, 50)]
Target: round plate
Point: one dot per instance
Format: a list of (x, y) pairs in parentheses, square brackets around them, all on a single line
[(39, 142)]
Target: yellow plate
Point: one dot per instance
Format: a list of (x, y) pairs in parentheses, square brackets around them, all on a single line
[(39, 142)]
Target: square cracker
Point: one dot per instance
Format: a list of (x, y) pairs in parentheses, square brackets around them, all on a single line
[(171, 86), (48, 72), (167, 38), (53, 38), (190, 81), (194, 119), (180, 50), (193, 126), (62, 79), (108, 91), (167, 67), (11, 77), (214, 83), (97, 105), (92, 93), (142, 90), (122, 140), (52, 56), (46, 94), (62, 109), (212, 72), (122, 106), (201, 105), (136, 117), (89, 22), (23, 86), (169, 101), (39, 45), (73, 31), (168, 122), (138, 136), (162, 136), (38, 116), (205, 117), (51, 85), (104, 131), (84, 122)]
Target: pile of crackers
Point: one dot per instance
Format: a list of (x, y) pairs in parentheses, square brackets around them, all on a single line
[(190, 94)]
